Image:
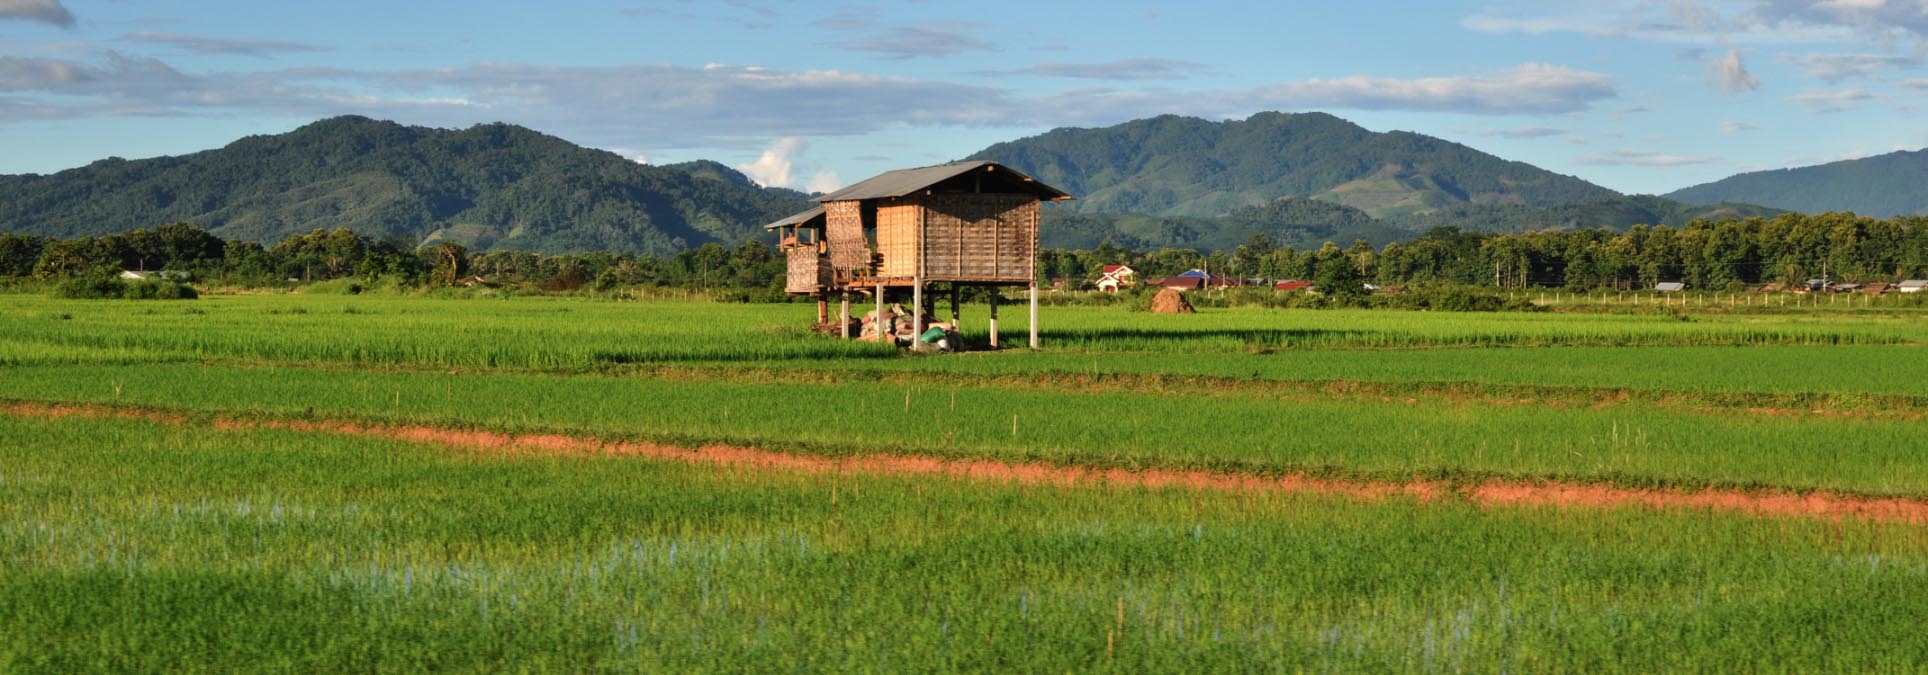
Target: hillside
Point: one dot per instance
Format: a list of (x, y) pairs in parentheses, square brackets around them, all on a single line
[(493, 186), (1303, 223), (1296, 222), (1894, 184), (1617, 213), (1172, 165)]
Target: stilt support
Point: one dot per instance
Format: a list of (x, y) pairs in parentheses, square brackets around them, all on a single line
[(995, 292), (917, 309), (843, 314), (1034, 315)]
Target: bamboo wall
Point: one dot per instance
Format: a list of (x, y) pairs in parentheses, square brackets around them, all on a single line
[(979, 237), (809, 270), (844, 230), (897, 239)]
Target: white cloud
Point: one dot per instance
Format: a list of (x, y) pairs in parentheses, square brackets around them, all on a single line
[(631, 154), (1124, 69), (1524, 132), (201, 44), (666, 107), (1596, 23), (1810, 160), (1886, 21), (1833, 68), (43, 11), (1529, 88), (1822, 101), (1675, 22), (825, 181), (1735, 127), (1625, 157), (1731, 74), (942, 38), (772, 168)]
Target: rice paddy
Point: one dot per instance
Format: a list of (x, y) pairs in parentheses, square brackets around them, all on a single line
[(226, 521)]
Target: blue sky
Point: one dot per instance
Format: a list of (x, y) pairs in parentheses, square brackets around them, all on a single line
[(1636, 95)]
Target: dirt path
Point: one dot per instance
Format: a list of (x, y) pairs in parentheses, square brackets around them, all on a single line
[(1491, 493)]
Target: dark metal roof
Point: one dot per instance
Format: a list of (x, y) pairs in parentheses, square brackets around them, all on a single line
[(906, 181), (799, 219)]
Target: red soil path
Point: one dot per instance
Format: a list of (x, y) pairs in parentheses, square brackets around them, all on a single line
[(1498, 493)]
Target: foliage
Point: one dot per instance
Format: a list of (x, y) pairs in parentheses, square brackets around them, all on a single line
[(106, 286), (97, 286), (1726, 255)]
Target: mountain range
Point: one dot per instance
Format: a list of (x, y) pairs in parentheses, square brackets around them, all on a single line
[(492, 186), (1894, 184), (1185, 166), (1301, 179)]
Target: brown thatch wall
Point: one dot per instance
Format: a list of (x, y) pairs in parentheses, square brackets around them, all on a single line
[(897, 239), (844, 230), (979, 237), (809, 270)]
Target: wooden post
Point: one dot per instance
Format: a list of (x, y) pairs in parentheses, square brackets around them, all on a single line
[(823, 309), (917, 309), (1034, 314), (995, 292), (954, 324), (843, 314)]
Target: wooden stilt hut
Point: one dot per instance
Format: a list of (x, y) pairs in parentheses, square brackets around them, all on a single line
[(959, 225)]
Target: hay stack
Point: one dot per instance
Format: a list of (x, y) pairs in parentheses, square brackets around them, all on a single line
[(1170, 301)]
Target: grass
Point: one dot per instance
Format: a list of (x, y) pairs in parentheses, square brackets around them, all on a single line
[(1632, 444), (155, 548), (137, 546)]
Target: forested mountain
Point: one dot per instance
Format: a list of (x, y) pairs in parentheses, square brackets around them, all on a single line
[(1293, 221), (1894, 184), (491, 187), (1306, 223), (1617, 213), (1172, 165)]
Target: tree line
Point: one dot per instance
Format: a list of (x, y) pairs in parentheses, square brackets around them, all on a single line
[(1715, 255), (323, 255), (1709, 255)]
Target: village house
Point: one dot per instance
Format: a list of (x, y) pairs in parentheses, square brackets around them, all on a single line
[(1912, 285), (1114, 277), (956, 225)]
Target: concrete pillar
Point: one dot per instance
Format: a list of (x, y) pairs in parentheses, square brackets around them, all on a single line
[(1034, 315), (995, 292), (917, 307), (843, 314), (879, 323)]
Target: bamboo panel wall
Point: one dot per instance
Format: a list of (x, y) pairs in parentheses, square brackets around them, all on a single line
[(809, 270), (979, 237), (844, 230), (897, 239)]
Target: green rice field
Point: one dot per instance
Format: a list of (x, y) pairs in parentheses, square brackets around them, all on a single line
[(179, 490)]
